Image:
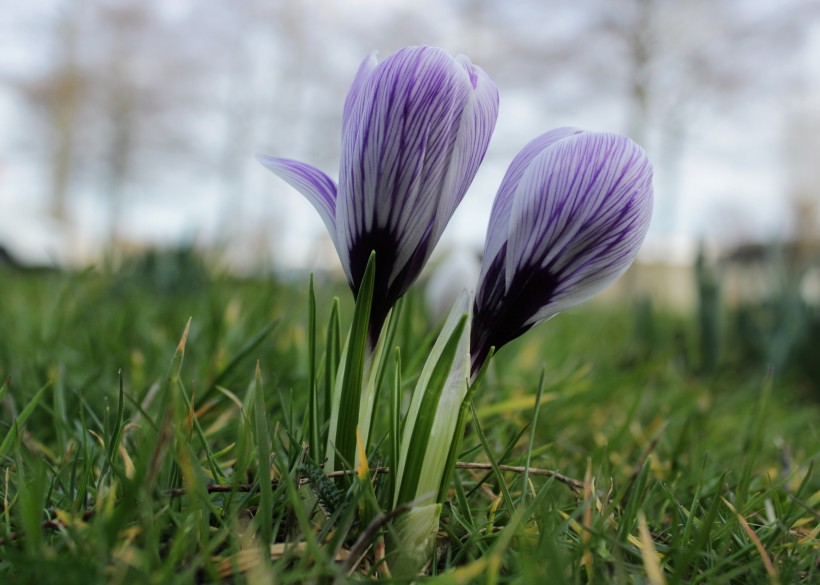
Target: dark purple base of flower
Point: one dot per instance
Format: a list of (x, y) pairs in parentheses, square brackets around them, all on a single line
[(500, 315), (385, 293)]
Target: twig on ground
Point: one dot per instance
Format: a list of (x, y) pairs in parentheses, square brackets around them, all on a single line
[(217, 488), (575, 484)]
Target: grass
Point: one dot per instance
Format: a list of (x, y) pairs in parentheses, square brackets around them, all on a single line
[(136, 448)]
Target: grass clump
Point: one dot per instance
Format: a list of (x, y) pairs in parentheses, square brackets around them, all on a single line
[(162, 430)]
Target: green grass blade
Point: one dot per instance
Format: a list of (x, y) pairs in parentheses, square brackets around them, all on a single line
[(449, 428), (428, 433), (505, 492), (20, 421), (393, 321), (116, 433), (243, 353), (525, 479), (395, 425), (263, 459), (629, 519), (344, 415), (461, 426), (313, 399), (333, 354), (754, 441)]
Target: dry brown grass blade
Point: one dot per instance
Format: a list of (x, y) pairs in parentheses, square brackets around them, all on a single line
[(764, 556)]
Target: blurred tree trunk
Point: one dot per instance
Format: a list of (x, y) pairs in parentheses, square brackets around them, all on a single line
[(63, 109)]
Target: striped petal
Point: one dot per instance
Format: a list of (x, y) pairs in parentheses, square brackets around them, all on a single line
[(576, 213), (396, 140), (417, 128), (498, 229), (472, 139), (359, 82), (581, 212), (315, 185)]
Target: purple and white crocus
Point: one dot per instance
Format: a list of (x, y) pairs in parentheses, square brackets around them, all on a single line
[(568, 219), (415, 128)]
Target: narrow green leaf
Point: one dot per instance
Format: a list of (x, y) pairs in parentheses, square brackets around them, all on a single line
[(395, 424), (313, 400), (525, 480), (684, 545), (387, 344), (754, 441), (505, 492), (61, 425), (81, 489), (705, 528), (263, 451), (333, 354), (116, 433), (289, 488), (4, 387), (174, 371), (461, 427), (20, 421), (629, 519), (412, 479), (243, 352), (344, 414), (373, 372), (31, 499)]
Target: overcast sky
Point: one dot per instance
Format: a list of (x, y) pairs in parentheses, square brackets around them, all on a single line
[(731, 181)]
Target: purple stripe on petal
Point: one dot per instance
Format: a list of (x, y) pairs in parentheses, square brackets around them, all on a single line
[(418, 129), (573, 197), (604, 249), (498, 229), (568, 220), (472, 139), (315, 185), (415, 127), (359, 82)]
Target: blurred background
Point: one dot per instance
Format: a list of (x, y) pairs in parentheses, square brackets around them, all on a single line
[(129, 130), (130, 127)]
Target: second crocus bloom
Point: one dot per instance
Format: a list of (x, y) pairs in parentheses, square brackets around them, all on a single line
[(415, 128), (568, 219)]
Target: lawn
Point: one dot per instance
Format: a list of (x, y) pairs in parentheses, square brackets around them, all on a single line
[(600, 449)]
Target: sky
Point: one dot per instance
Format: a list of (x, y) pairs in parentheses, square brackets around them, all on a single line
[(730, 184)]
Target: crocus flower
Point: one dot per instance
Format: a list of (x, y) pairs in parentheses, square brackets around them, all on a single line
[(415, 128), (567, 221)]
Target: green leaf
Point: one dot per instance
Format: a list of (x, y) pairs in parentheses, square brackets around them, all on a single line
[(461, 425), (395, 423), (373, 374), (347, 395), (333, 355), (433, 415), (313, 400), (8, 441), (243, 352), (505, 492), (116, 433), (4, 387), (378, 371), (530, 446), (263, 452)]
